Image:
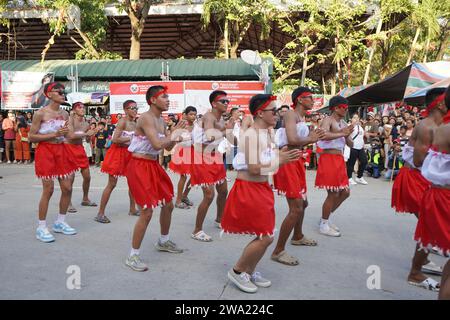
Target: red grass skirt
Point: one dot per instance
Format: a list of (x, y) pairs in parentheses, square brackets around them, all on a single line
[(408, 190), (249, 209), (290, 180), (207, 169), (78, 153), (182, 160), (332, 172), (53, 161), (116, 160), (433, 228), (148, 182)]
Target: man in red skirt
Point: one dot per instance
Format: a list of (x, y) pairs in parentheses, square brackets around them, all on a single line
[(290, 180), (52, 160), (208, 170), (410, 186), (79, 130), (117, 158), (182, 160), (149, 184), (332, 171)]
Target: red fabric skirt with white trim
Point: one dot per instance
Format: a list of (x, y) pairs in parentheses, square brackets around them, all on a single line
[(182, 160), (207, 169), (407, 191), (116, 160), (290, 179), (53, 161), (78, 153), (149, 184), (249, 209), (433, 228), (332, 172)]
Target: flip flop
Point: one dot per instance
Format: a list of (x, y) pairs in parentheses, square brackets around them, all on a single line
[(304, 242), (182, 205), (428, 283), (71, 209), (88, 203), (187, 201), (136, 214), (285, 258), (102, 219), (201, 236)]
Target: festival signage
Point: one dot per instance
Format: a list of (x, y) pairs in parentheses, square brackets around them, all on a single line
[(22, 90)]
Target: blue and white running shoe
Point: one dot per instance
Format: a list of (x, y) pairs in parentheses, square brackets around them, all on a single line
[(44, 235), (64, 228)]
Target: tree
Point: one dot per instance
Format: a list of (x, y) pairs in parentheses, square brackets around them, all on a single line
[(236, 17), (137, 11), (91, 27), (311, 24)]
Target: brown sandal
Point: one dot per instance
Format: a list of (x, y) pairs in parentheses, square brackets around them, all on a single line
[(285, 258), (304, 242), (102, 219)]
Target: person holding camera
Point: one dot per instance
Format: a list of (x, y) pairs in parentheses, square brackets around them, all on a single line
[(357, 152), (375, 158), (395, 160)]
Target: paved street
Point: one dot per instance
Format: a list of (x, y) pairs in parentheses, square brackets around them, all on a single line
[(336, 269)]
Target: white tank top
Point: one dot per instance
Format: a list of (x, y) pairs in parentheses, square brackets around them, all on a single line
[(187, 139), (51, 126), (199, 136), (265, 157), (281, 137), (436, 168), (338, 143), (141, 145), (407, 155)]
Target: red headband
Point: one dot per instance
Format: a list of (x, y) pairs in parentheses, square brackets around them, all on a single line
[(265, 104), (342, 105), (76, 105), (49, 88), (433, 104), (302, 95), (164, 90), (219, 97)]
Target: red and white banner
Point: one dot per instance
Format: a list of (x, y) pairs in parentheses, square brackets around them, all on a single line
[(21, 90), (184, 93), (122, 91)]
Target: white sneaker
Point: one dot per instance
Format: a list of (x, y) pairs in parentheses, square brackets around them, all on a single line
[(328, 231), (351, 182), (258, 279), (330, 224), (242, 281), (361, 180)]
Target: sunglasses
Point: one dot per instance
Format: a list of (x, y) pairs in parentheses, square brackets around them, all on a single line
[(133, 108), (60, 92), (224, 101), (274, 111)]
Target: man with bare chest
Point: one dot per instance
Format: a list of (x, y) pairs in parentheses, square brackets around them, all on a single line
[(332, 171), (208, 170), (52, 160), (79, 130)]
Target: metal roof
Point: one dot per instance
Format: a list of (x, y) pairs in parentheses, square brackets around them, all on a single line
[(146, 69)]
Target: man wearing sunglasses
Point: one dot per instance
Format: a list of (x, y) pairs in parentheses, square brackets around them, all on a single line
[(332, 171), (208, 170), (117, 158), (52, 159), (79, 130)]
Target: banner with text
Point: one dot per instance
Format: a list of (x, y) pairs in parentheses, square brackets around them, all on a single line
[(184, 93)]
